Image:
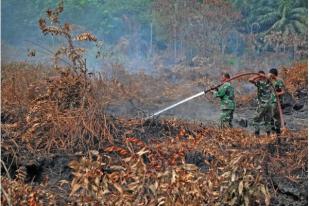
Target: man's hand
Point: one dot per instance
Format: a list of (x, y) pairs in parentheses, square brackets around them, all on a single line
[(254, 78), (214, 91), (280, 92), (270, 76)]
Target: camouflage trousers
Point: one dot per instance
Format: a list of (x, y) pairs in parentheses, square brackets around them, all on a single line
[(226, 117), (263, 115), (276, 125)]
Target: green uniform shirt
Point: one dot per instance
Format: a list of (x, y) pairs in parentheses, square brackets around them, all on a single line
[(278, 85), (264, 91), (226, 95)]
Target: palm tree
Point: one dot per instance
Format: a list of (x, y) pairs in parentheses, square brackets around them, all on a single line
[(286, 16)]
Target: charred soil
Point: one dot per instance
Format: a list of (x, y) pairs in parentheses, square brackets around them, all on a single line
[(59, 146)]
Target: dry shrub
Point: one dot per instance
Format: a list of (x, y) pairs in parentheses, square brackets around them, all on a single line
[(52, 110), (296, 77), (50, 24), (155, 174), (64, 112), (131, 182), (22, 83), (67, 116), (17, 193)]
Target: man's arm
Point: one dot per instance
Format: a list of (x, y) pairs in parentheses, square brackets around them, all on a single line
[(254, 79), (220, 92)]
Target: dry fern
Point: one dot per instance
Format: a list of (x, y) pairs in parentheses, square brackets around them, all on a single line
[(86, 36)]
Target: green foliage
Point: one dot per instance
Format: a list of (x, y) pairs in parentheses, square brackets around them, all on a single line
[(286, 16)]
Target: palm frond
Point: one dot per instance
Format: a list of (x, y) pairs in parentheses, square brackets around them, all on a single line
[(300, 19), (277, 26), (297, 16), (264, 10), (268, 18), (299, 27), (299, 10)]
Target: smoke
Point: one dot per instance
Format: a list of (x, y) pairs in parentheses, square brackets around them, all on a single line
[(125, 36), (131, 37)]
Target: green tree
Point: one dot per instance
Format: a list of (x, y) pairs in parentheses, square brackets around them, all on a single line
[(287, 16)]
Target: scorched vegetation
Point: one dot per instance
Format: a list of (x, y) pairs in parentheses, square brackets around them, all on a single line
[(60, 144)]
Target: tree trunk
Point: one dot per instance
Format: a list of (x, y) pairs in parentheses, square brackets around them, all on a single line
[(222, 46), (294, 50), (175, 32), (150, 46), (175, 48)]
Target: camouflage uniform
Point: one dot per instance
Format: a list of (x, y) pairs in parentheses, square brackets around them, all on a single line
[(226, 95), (278, 85), (264, 109)]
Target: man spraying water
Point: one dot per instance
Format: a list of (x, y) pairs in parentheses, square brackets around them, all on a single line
[(227, 101)]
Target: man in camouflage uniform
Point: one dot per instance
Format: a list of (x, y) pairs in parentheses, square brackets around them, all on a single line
[(264, 101), (226, 94), (280, 90)]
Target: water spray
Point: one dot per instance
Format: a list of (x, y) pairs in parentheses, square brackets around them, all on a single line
[(215, 87), (176, 104)]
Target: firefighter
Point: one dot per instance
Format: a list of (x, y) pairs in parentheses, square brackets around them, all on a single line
[(279, 87), (264, 98), (227, 101)]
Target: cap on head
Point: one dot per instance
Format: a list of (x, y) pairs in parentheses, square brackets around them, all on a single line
[(273, 71)]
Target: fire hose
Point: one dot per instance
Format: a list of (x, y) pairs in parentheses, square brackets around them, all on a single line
[(217, 86)]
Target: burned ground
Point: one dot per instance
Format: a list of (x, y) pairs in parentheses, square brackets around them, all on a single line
[(212, 154), (59, 150)]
